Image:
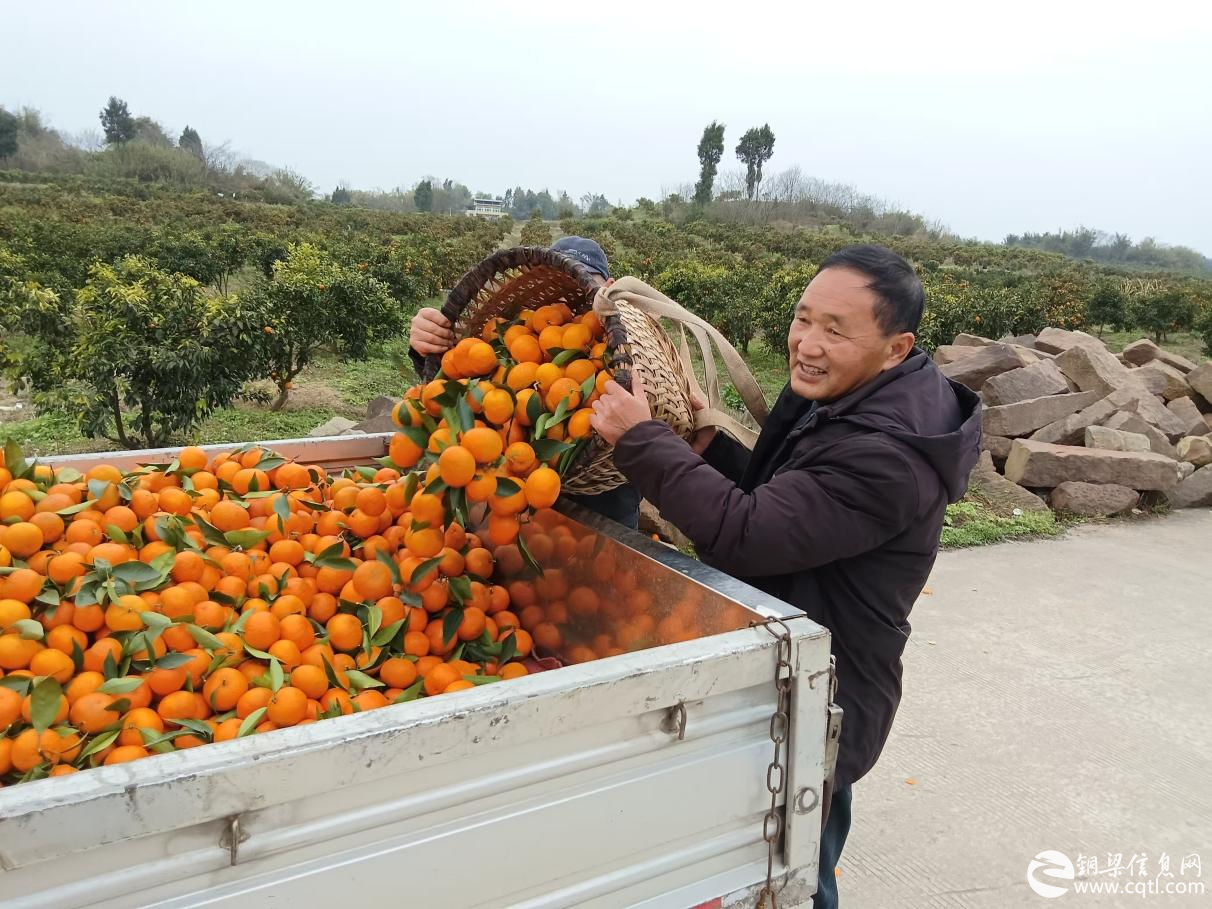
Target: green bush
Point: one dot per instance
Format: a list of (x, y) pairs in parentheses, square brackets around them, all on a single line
[(1162, 312), (535, 232), (313, 302), (138, 350)]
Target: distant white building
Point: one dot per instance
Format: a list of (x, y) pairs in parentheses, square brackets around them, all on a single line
[(489, 208)]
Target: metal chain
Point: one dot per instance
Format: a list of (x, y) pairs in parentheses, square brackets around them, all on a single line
[(776, 771)]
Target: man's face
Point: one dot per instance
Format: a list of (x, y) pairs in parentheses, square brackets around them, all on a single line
[(835, 343)]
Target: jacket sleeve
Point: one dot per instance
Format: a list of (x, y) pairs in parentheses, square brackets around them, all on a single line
[(841, 505), (418, 362), (728, 456)]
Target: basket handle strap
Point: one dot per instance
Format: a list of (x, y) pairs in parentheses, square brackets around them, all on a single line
[(651, 301)]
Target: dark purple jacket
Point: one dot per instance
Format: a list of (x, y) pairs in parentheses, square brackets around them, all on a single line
[(838, 511)]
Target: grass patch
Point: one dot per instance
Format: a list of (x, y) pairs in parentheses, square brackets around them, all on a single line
[(50, 433), (1183, 343), (357, 381), (974, 522), (248, 424)]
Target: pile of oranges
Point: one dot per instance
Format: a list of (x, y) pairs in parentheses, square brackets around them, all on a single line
[(215, 597)]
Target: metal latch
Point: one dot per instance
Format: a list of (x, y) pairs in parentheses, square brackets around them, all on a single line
[(232, 838), (833, 734), (675, 720)]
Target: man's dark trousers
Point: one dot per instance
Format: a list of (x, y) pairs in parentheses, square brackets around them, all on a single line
[(833, 837)]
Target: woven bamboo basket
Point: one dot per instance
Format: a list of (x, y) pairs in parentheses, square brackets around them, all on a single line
[(527, 277)]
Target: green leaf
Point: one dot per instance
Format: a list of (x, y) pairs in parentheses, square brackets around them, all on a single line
[(44, 702), (411, 693), (124, 684), (386, 635), (387, 560), (87, 595), (587, 386), (540, 425), (460, 588), (336, 550), (276, 676), (100, 743), (15, 459), (366, 473), (546, 449), (198, 727), (417, 435), (509, 649), (534, 407), (373, 620), (155, 620), (210, 532), (116, 533), (457, 503), (481, 679), (205, 639), (29, 629), (436, 486), (250, 722), (173, 660), (360, 680), (410, 485), (527, 557), (422, 571), (109, 668), (282, 508), (68, 475), (507, 487), (75, 509), (253, 651), (564, 357), (77, 657), (17, 683), (340, 564), (467, 418), (136, 573), (450, 624), (98, 488), (333, 679), (49, 596), (245, 539)]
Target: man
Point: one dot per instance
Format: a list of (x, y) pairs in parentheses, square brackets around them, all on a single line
[(839, 508), (431, 334)]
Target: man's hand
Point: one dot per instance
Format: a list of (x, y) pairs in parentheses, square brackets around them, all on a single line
[(702, 437), (430, 333), (617, 410)]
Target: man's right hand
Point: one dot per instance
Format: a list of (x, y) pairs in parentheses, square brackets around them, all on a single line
[(430, 333), (702, 438)]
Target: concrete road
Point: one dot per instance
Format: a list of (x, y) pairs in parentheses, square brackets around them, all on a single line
[(1057, 696)]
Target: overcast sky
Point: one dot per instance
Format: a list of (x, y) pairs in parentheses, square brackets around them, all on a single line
[(1028, 116)]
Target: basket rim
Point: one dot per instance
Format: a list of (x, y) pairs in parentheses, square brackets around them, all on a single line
[(469, 286)]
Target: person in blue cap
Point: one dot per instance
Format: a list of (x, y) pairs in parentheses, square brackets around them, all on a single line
[(431, 334)]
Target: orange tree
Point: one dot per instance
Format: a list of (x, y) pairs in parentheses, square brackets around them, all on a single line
[(313, 301), (136, 350)]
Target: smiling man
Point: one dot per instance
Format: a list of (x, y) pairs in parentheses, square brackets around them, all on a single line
[(839, 507)]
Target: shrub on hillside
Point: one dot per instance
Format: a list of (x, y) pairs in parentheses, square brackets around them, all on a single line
[(138, 354), (312, 302)]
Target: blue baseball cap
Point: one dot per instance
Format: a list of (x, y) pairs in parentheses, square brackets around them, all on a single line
[(585, 251)]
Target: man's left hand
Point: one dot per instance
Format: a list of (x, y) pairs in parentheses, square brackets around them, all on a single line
[(618, 409)]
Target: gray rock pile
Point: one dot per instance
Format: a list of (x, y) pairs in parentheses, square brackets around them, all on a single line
[(1087, 430)]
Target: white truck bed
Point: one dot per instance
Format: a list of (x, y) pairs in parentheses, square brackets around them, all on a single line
[(569, 788)]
